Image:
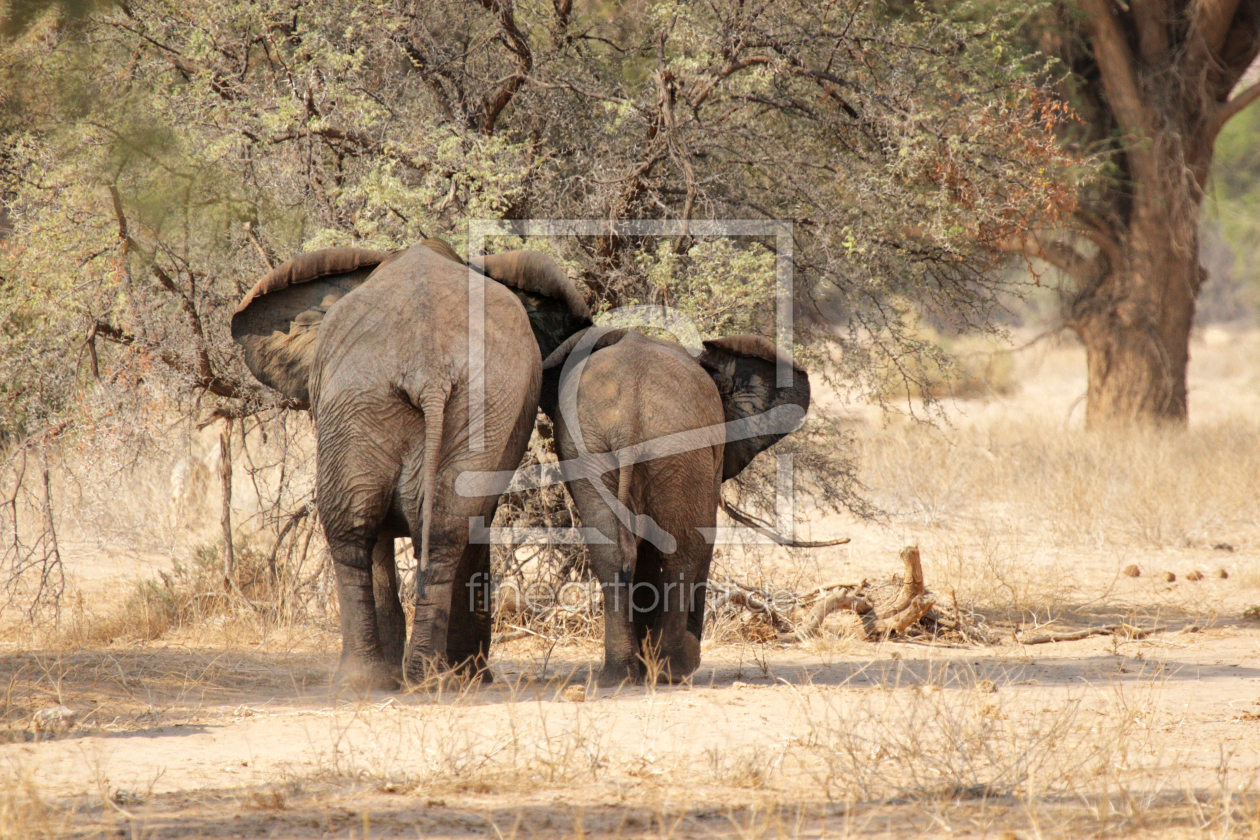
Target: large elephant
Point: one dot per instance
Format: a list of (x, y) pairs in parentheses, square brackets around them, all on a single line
[(647, 434), (377, 345)]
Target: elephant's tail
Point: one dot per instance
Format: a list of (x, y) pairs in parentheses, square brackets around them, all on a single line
[(432, 405), (623, 485)]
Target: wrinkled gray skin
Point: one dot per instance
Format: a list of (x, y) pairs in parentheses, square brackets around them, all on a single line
[(393, 354), (389, 394), (634, 389)]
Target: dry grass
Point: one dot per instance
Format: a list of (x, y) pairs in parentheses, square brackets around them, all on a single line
[(24, 814), (929, 747), (1148, 488), (1020, 521)]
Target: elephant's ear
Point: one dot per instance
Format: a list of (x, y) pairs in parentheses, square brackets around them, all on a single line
[(745, 370), (277, 324), (555, 308)]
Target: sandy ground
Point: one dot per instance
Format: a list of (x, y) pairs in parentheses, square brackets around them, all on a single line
[(204, 735)]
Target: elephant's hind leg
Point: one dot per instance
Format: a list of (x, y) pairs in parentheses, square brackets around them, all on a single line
[(391, 622), (436, 591), (613, 563), (674, 632), (363, 663)]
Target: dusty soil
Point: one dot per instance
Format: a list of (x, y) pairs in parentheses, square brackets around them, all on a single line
[(211, 732)]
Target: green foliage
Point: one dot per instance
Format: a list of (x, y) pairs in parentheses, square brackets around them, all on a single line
[(159, 157), (1235, 195)]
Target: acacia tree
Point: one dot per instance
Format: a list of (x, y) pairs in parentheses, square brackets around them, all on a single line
[(159, 156), (1153, 82)]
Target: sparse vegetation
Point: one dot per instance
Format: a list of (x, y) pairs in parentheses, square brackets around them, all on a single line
[(1107, 734), (157, 157)]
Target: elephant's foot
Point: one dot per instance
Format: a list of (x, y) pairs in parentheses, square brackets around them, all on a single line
[(674, 663), (368, 675), (471, 666), (423, 669), (476, 670), (438, 675), (614, 674)]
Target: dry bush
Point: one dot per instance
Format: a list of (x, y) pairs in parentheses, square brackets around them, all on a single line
[(949, 735), (934, 736), (195, 593), (1001, 575), (528, 574), (966, 367), (936, 744)]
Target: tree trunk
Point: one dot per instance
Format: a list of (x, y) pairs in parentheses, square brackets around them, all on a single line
[(1135, 322), (225, 515), (1158, 81)]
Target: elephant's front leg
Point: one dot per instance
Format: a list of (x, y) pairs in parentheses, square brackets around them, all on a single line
[(391, 622), (362, 664), (468, 636), (435, 594)]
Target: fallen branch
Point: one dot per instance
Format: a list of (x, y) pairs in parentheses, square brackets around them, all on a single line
[(1128, 630), (520, 633), (764, 528), (879, 620), (737, 594)]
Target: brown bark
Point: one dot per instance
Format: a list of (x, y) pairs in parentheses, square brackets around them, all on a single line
[(225, 516), (1157, 84), (1135, 324)]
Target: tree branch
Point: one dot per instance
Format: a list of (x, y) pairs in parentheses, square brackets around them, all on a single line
[(1151, 17), (1233, 107), (494, 103), (1212, 22), (421, 65), (1059, 254), (1096, 230), (733, 66), (213, 384), (1119, 78)]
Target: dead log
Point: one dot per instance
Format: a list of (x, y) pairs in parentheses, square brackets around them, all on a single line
[(882, 628), (893, 615), (736, 594), (834, 601), (911, 585)]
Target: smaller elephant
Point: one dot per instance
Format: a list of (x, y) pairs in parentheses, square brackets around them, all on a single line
[(646, 435)]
